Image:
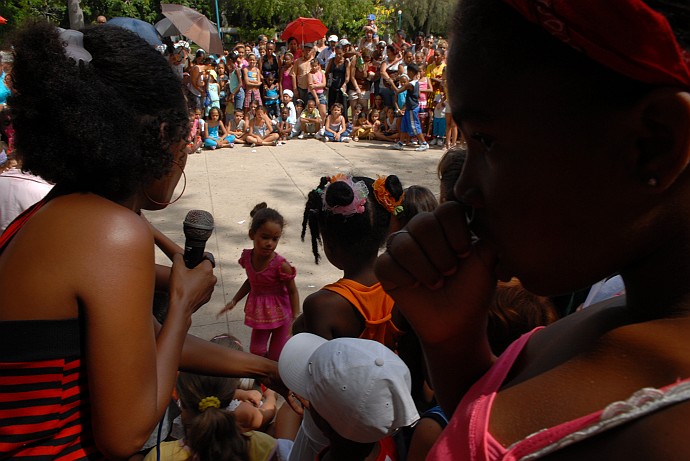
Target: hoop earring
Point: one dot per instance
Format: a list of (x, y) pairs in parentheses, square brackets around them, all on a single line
[(184, 187)]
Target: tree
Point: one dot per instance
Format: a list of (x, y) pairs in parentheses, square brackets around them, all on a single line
[(430, 16)]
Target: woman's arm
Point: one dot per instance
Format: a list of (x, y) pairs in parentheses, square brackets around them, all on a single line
[(347, 79), (129, 367)]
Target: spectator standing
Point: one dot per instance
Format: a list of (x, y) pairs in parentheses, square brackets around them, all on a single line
[(301, 69), (337, 77), (327, 53)]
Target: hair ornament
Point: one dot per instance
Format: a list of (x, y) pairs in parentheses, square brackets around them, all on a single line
[(360, 193), (74, 45), (209, 402), (385, 198)]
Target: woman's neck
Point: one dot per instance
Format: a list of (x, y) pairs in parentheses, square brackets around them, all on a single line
[(656, 284)]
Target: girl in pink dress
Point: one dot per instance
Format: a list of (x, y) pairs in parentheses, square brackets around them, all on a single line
[(273, 300)]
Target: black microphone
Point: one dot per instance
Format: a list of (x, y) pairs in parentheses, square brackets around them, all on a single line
[(198, 227)]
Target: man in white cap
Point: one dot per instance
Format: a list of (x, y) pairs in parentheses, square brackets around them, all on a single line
[(324, 56), (357, 395)]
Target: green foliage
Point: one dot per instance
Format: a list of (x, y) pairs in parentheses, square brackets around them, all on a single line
[(345, 18)]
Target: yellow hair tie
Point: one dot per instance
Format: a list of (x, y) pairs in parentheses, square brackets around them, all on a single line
[(385, 198), (208, 402)]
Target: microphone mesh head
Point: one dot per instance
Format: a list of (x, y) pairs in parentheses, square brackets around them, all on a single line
[(198, 224)]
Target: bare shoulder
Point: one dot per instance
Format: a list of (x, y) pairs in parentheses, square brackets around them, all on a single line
[(330, 315), (286, 268)]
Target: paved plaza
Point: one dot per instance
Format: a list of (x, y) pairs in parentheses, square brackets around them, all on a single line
[(229, 182)]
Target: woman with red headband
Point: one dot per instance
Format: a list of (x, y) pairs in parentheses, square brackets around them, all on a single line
[(577, 120)]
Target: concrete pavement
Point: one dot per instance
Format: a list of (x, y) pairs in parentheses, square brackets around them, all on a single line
[(229, 182)]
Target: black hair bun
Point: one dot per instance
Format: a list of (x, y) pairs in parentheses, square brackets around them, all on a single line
[(339, 193), (257, 207)]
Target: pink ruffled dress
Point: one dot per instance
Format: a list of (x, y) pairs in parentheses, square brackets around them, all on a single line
[(268, 303)]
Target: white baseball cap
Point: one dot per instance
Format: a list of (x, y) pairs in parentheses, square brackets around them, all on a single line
[(333, 38), (288, 92), (360, 387)]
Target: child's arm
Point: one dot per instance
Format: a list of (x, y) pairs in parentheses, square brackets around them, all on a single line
[(292, 289), (405, 87), (343, 126), (251, 396), (241, 293), (327, 125), (205, 130), (221, 130), (251, 418)]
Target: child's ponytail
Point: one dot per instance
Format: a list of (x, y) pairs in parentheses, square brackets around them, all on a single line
[(212, 432), (214, 435)]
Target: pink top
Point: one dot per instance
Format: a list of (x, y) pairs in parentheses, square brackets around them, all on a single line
[(317, 79), (423, 85), (268, 303), (467, 435), (287, 80)]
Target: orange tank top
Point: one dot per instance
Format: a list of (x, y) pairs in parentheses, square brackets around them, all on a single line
[(374, 305)]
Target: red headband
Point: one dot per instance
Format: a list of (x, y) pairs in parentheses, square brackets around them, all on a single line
[(624, 35)]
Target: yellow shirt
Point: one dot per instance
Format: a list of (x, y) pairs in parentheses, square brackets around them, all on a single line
[(261, 448)]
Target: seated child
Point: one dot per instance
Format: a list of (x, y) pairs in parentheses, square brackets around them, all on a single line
[(335, 127), (236, 126), (261, 130), (362, 128), (389, 124), (310, 119), (215, 134), (284, 124)]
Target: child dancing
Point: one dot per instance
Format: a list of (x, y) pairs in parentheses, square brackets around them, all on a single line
[(273, 300)]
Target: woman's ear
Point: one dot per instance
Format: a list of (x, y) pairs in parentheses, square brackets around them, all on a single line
[(663, 144)]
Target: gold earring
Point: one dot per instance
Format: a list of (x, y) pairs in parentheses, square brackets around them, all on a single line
[(184, 186)]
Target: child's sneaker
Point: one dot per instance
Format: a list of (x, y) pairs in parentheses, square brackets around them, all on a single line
[(355, 139), (231, 145), (398, 145), (300, 136), (422, 147), (414, 142), (253, 144), (325, 139), (345, 139)]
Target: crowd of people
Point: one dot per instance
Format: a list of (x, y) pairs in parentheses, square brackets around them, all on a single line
[(332, 89), (449, 344)]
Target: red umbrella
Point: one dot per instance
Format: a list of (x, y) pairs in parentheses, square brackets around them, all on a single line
[(305, 30)]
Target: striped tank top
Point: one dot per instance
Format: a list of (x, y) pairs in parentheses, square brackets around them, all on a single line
[(44, 405)]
